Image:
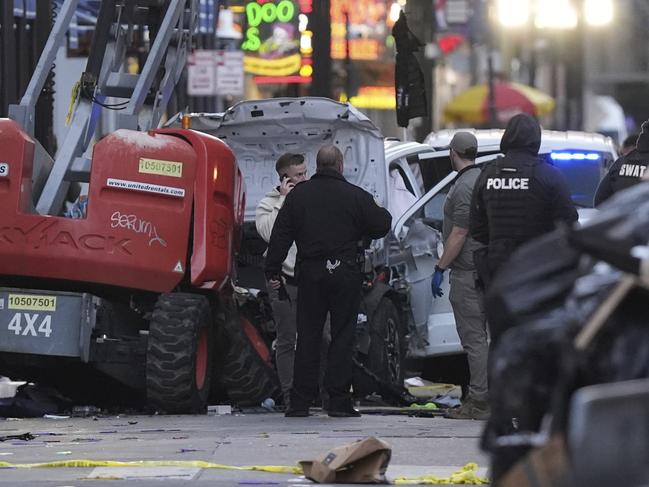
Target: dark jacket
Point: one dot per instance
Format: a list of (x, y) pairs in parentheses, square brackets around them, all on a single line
[(627, 170), (326, 216), (408, 76), (519, 196)]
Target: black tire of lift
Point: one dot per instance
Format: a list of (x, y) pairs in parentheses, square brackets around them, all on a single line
[(174, 332), (246, 377)]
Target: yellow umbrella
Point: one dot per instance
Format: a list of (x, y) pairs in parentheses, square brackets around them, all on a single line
[(472, 105)]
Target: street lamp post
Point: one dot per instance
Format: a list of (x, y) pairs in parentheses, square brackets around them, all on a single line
[(574, 106), (571, 17), (322, 63)]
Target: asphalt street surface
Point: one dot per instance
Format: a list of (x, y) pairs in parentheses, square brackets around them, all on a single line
[(420, 446)]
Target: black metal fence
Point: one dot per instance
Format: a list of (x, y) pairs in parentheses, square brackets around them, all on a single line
[(24, 27)]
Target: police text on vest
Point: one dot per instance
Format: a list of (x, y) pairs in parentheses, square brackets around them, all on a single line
[(632, 170), (508, 183)]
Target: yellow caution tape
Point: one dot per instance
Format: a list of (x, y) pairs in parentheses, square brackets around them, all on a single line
[(466, 475), (76, 88), (152, 463)]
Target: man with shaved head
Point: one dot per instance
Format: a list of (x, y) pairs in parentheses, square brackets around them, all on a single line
[(326, 217)]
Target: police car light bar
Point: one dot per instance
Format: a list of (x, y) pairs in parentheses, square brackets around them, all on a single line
[(574, 156)]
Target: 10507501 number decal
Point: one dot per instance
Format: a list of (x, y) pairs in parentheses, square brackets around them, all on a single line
[(161, 168), (28, 324), (31, 302)]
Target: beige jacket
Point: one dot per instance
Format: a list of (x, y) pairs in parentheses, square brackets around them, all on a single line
[(265, 216)]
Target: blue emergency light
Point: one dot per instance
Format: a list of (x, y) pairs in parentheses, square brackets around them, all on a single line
[(574, 156)]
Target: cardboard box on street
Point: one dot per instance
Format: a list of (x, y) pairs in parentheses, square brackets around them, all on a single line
[(363, 462)]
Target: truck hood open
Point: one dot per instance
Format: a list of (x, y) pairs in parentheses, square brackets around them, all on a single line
[(260, 131)]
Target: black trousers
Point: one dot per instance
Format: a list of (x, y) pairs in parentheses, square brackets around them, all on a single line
[(320, 291)]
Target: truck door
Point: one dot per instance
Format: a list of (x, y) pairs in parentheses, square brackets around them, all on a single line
[(419, 235)]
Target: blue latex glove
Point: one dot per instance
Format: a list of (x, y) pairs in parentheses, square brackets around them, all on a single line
[(436, 284)]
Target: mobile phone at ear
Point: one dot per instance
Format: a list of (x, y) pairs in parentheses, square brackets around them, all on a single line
[(283, 177)]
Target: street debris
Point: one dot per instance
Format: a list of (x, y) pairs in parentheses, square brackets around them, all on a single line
[(160, 430), (429, 405), (268, 404), (362, 462), (414, 382), (426, 400), (32, 401), (414, 411), (219, 409), (23, 437), (447, 401), (8, 387)]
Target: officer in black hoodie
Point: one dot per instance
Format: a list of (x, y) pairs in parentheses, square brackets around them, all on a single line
[(326, 217), (516, 198), (628, 170)]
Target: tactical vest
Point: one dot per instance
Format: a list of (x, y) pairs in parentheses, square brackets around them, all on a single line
[(517, 205)]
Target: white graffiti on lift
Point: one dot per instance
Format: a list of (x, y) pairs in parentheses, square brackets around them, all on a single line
[(137, 225)]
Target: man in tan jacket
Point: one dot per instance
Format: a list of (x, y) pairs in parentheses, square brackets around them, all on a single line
[(291, 170)]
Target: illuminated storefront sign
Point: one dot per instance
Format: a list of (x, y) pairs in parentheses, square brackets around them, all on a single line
[(284, 66), (277, 42), (367, 25), (361, 29), (374, 97)]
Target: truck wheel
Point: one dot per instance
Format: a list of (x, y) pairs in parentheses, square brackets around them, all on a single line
[(247, 374), (179, 354), (387, 350)]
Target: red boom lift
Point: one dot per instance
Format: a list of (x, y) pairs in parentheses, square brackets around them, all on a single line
[(139, 285)]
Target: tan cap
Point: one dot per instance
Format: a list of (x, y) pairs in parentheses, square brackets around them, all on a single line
[(465, 144)]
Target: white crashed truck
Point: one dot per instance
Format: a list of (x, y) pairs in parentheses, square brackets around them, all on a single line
[(259, 132)]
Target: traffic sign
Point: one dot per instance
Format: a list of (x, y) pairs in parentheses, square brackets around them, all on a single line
[(215, 72)]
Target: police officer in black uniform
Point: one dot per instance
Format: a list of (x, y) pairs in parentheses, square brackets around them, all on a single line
[(627, 171), (516, 198), (326, 217)]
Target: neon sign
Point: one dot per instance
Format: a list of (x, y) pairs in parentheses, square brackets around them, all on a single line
[(373, 97), (368, 29), (268, 13), (276, 41)]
